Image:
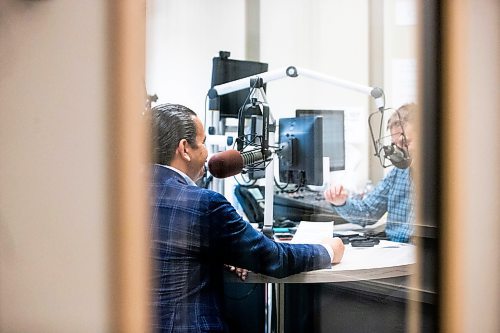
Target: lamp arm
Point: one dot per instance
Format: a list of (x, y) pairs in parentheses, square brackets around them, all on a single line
[(292, 71), (375, 92), (229, 87)]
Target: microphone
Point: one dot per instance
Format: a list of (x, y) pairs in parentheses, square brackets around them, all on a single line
[(230, 162), (399, 157)]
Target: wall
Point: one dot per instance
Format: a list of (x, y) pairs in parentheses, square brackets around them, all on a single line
[(330, 37), (74, 206), (182, 38), (470, 274), (54, 205)]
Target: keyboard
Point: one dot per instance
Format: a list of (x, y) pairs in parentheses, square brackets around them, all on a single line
[(304, 206)]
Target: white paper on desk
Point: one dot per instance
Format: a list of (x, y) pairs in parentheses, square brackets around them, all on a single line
[(312, 232)]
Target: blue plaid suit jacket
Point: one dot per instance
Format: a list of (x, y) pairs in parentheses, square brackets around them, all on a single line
[(195, 232)]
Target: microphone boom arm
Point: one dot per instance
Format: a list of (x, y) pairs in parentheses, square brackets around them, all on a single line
[(293, 72)]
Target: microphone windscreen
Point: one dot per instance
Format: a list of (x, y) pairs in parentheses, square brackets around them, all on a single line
[(403, 164), (225, 164), (400, 157)]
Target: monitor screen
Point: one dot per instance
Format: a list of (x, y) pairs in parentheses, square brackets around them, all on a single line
[(226, 70), (301, 155), (333, 135)]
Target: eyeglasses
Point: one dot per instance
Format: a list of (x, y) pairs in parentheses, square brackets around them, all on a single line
[(399, 136)]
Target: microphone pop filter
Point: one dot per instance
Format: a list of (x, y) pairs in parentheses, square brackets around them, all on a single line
[(403, 164), (398, 156), (225, 164)]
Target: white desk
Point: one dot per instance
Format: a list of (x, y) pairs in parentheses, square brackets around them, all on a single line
[(385, 260)]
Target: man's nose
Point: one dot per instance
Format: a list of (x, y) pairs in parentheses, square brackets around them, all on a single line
[(400, 141)]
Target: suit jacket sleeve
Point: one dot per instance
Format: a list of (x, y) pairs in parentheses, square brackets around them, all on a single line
[(239, 244)]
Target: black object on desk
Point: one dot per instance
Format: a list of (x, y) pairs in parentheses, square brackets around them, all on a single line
[(369, 238), (303, 205), (364, 242), (360, 239)]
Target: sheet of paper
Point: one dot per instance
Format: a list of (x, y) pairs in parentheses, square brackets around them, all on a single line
[(404, 81), (406, 12), (385, 254), (312, 232)]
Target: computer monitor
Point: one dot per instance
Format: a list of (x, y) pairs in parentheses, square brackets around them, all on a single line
[(301, 155), (226, 70), (333, 135)]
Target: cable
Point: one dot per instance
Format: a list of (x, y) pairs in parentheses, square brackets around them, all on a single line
[(283, 188), (206, 109)]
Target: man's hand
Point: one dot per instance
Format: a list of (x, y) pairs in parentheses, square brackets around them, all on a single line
[(336, 195), (337, 246), (240, 272)]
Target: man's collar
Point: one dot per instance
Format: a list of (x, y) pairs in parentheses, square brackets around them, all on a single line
[(182, 174)]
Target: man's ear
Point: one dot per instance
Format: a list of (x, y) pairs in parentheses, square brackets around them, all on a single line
[(183, 150)]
